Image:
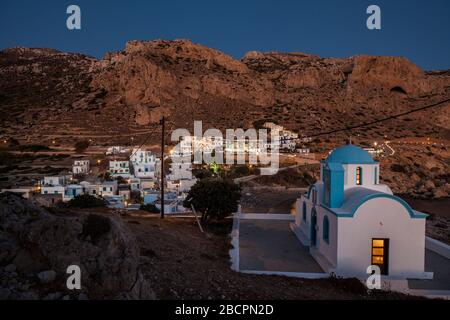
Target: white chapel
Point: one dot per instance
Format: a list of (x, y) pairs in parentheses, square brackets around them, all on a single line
[(350, 221)]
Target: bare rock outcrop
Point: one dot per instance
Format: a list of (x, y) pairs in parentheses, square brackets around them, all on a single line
[(128, 91), (37, 247)]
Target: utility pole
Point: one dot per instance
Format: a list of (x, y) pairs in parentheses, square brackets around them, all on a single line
[(162, 122)]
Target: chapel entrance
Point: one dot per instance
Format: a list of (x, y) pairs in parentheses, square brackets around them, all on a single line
[(380, 254)]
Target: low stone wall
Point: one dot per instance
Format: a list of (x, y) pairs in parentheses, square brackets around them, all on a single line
[(439, 247)]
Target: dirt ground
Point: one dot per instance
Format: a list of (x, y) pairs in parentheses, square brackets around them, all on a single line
[(183, 263), (438, 221), (268, 200)]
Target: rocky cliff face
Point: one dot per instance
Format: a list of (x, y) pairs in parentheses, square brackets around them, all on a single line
[(36, 248), (53, 95)]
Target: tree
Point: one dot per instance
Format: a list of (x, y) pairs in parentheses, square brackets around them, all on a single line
[(201, 173), (214, 198), (86, 201), (81, 146), (121, 180), (105, 176), (243, 170)]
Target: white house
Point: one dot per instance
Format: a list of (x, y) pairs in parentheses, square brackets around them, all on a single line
[(80, 167), (180, 178), (287, 139), (144, 170), (124, 191), (72, 190), (150, 195), (144, 163), (119, 168), (105, 188), (273, 126), (182, 185), (142, 156), (350, 221), (53, 189), (116, 150), (53, 185), (180, 170), (147, 183), (170, 203), (53, 181), (135, 184)]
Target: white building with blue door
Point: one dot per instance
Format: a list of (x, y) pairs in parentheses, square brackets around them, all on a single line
[(351, 221), (144, 163)]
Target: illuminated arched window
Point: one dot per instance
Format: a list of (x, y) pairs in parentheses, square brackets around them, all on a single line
[(358, 176), (304, 211), (326, 230)]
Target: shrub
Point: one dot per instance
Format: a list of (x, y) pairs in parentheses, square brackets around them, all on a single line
[(33, 148), (150, 208), (202, 173), (81, 146), (214, 198), (86, 201), (7, 158), (398, 168), (242, 170)]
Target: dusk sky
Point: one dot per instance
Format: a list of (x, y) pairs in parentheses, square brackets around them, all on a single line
[(417, 29)]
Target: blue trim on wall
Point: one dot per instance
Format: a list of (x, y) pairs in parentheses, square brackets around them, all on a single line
[(411, 213)]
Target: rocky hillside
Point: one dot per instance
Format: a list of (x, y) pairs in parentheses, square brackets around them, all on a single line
[(36, 248), (45, 94)]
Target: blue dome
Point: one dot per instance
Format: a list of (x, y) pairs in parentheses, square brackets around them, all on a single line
[(350, 154)]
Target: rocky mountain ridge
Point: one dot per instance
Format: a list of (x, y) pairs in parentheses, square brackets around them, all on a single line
[(46, 94)]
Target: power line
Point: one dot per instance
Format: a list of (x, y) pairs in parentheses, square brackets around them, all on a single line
[(365, 124), (145, 140)]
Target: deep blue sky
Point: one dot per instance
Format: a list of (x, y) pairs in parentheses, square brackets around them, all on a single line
[(417, 29)]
